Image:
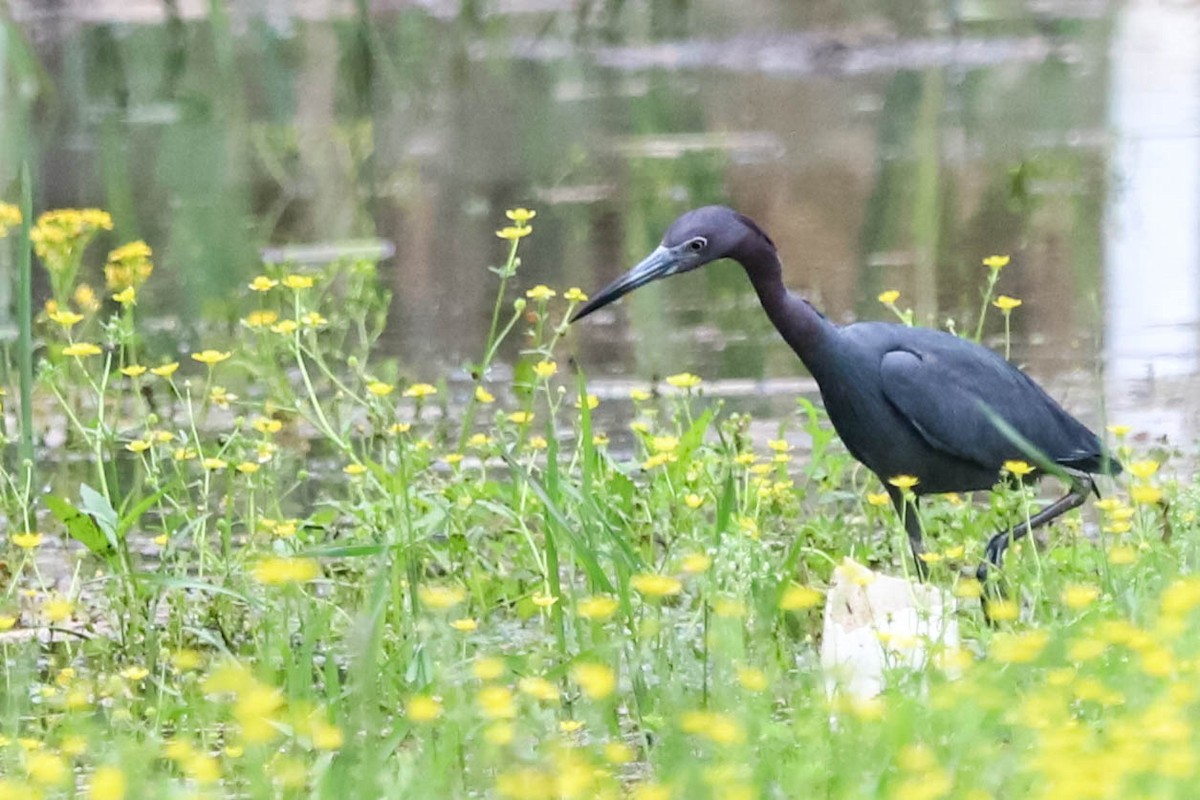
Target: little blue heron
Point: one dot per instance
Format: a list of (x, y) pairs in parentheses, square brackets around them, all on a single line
[(905, 401)]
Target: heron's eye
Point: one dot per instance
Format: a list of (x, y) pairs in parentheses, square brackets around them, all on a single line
[(697, 244)]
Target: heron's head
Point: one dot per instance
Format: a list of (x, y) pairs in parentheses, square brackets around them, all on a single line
[(699, 237)]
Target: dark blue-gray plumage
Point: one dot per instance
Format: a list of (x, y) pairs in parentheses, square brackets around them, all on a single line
[(905, 401)]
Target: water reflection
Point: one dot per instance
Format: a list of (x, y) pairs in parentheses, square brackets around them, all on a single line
[(1152, 241), (881, 149)]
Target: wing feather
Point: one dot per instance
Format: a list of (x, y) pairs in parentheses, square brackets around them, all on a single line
[(967, 401)]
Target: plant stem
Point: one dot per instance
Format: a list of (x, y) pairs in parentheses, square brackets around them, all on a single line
[(25, 319)]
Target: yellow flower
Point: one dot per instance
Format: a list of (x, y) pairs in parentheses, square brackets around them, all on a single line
[(520, 215), (81, 350), (904, 482), (695, 563), (996, 262), (653, 585), (1078, 597), (10, 217), (221, 397), (27, 540), (46, 769), (255, 711), (799, 598), (478, 440), (464, 625), (538, 688), (135, 673), (1119, 431), (1121, 555), (751, 679), (545, 369), (1018, 468), (543, 600), (133, 371), (248, 467), (65, 317), (889, 297), (658, 459), (1002, 610), (540, 292), (127, 296), (664, 444), (596, 608), (649, 790), (1145, 495), (597, 681), (58, 608), (85, 297), (717, 728), (277, 570), (211, 357), (314, 319), (878, 498), (354, 470), (326, 737), (639, 395), (7, 621), (729, 608), (520, 417), (487, 668), (260, 318), (484, 396), (139, 445), (1018, 648), (592, 402), (1006, 303), (575, 295), (267, 425), (128, 267), (440, 597), (299, 282), (214, 463), (380, 389), (108, 783), (570, 726), (285, 327), (453, 458), (684, 380), (262, 283), (1143, 469), (514, 232), (496, 702), (423, 708), (538, 442), (420, 391), (693, 501), (166, 370)]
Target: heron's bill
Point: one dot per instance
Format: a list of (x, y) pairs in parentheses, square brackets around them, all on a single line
[(658, 264)]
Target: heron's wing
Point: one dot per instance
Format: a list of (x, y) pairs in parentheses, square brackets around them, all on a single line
[(966, 401)]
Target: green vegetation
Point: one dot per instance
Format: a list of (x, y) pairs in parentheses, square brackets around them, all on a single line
[(295, 574)]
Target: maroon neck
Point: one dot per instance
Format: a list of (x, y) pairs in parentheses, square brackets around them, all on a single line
[(804, 328)]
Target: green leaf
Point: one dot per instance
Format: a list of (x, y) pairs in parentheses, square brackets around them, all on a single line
[(131, 517), (100, 510), (80, 526), (585, 555)]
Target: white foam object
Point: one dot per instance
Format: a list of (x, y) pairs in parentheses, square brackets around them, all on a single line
[(875, 623)]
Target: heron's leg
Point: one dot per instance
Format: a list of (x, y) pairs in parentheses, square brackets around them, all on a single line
[(907, 509), (1081, 487)]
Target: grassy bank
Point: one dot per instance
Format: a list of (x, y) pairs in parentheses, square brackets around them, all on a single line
[(295, 570)]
